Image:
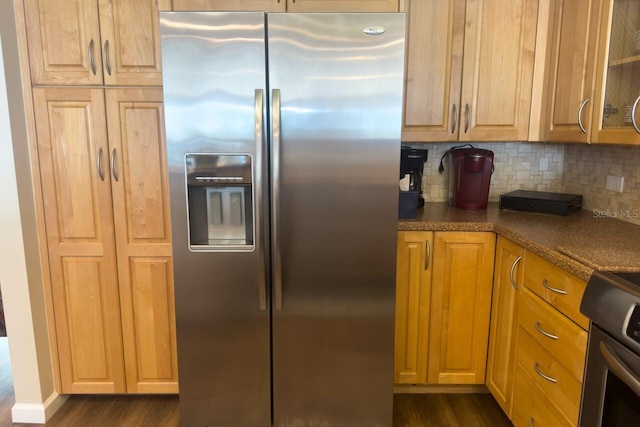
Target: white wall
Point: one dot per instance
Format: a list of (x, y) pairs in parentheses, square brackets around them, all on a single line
[(20, 270)]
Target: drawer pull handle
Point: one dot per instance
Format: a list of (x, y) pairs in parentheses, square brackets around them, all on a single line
[(511, 278), (531, 421), (546, 377), (545, 333), (552, 289)]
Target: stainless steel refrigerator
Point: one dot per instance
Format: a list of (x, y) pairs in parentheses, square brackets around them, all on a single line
[(283, 145)]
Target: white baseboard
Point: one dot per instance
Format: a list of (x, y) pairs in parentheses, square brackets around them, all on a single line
[(37, 413)]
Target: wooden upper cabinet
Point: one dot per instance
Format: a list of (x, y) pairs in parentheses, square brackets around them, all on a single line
[(143, 237), (617, 105), (247, 5), (114, 42), (572, 70), (497, 76), (469, 70), (435, 35), (290, 5), (73, 158), (64, 41), (342, 5)]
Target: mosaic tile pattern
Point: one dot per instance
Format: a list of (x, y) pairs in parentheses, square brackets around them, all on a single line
[(518, 166), (566, 168), (585, 171)]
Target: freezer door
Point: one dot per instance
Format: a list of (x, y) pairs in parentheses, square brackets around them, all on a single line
[(336, 98), (214, 76)]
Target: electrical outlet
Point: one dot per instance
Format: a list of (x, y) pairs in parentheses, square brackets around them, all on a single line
[(615, 183)]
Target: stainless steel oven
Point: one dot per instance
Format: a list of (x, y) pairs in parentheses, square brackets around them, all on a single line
[(611, 388)]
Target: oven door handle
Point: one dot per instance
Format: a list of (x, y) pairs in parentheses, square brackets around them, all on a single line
[(620, 368)]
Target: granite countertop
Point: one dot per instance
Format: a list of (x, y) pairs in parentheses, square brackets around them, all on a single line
[(579, 243)]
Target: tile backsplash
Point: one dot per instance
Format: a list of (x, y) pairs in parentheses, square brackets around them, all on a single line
[(566, 168), (527, 166), (585, 172)]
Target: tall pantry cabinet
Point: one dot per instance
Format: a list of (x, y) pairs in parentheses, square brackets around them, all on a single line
[(95, 71)]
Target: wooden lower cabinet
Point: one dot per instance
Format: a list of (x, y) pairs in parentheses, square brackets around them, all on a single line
[(108, 238), (551, 350), (460, 307), (413, 294), (534, 407), (507, 279), (443, 298)]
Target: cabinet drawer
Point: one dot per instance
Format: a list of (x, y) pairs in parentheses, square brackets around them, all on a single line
[(556, 286), (531, 407), (562, 338), (554, 380)]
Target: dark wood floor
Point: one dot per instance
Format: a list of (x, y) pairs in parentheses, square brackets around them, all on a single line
[(410, 410)]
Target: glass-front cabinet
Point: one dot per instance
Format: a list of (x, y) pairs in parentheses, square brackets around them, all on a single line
[(617, 117)]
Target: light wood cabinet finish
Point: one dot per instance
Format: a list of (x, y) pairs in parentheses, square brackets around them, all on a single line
[(108, 233), (465, 80), (435, 36), (413, 294), (562, 388), (113, 42), (73, 153), (342, 5), (558, 335), (559, 288), (222, 5), (571, 97), (143, 238), (533, 407), (507, 278), (290, 5), (551, 353), (617, 82), (497, 76), (460, 307)]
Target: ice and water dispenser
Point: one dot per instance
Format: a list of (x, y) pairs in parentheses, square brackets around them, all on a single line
[(220, 201)]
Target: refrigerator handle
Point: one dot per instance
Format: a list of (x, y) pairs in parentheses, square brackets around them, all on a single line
[(275, 202), (260, 240)]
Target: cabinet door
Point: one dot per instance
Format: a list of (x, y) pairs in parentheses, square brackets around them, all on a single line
[(255, 5), (497, 76), (413, 290), (460, 307), (572, 70), (617, 105), (73, 151), (64, 41), (435, 34), (131, 41), (143, 237), (342, 5), (508, 276)]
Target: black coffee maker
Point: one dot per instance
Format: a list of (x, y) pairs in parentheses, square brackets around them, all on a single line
[(412, 162)]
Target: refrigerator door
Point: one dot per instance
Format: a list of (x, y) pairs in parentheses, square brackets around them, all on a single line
[(336, 85), (214, 91)]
